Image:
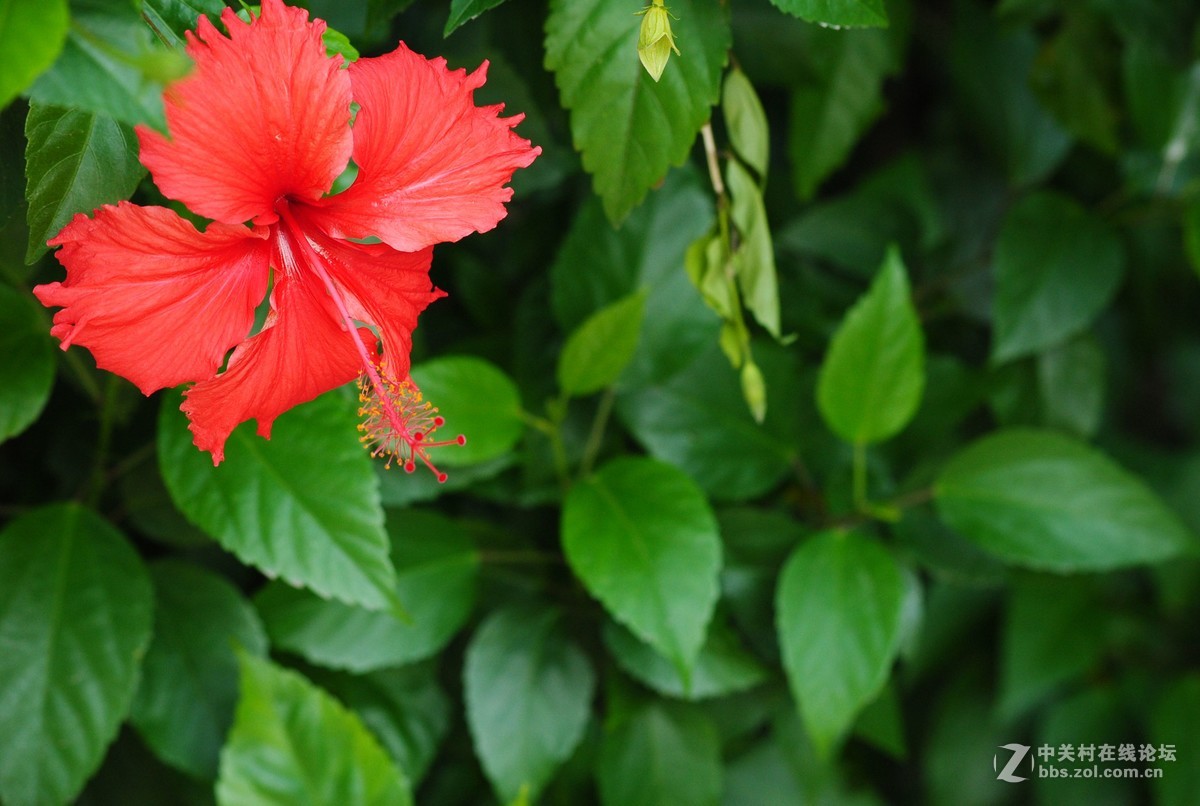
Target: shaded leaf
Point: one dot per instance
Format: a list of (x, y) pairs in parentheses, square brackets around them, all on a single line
[(661, 754), (74, 162), (1057, 267), (184, 703), (746, 121), (1044, 500), (838, 13), (463, 11), (527, 689), (26, 363), (75, 613), (436, 567)]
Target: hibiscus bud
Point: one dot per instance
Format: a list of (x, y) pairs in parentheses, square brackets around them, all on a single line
[(655, 41)]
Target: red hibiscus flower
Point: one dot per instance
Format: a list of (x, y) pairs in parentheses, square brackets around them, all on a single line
[(257, 133)]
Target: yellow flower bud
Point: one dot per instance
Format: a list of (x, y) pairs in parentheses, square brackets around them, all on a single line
[(655, 41)]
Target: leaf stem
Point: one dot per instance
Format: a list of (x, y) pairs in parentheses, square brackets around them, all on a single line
[(96, 481), (596, 436)]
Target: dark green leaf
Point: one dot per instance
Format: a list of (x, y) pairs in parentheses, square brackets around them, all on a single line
[(1071, 383), (169, 19), (698, 421), (630, 129), (598, 265), (478, 400), (405, 708), (103, 67), (838, 13), (293, 743), (527, 689), (754, 260), (871, 382), (436, 566), (642, 539), (463, 11), (722, 667), (746, 121), (74, 162), (31, 36), (1054, 632), (1174, 724), (184, 703), (662, 754), (75, 612), (599, 350), (991, 66), (1057, 267), (1094, 711), (832, 110), (1044, 500), (26, 363), (1072, 76), (839, 605), (303, 506)]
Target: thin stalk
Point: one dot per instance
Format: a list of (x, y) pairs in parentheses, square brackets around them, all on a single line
[(596, 436)]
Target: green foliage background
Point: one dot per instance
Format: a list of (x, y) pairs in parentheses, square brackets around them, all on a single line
[(832, 417)]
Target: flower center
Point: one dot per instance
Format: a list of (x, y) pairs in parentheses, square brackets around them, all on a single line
[(397, 420)]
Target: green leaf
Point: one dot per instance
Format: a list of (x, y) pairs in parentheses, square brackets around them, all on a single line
[(302, 506), (478, 400), (600, 349), (839, 606), (629, 129), (185, 701), (26, 363), (698, 421), (1057, 267), (990, 66), (31, 37), (528, 691), (833, 109), (1174, 723), (662, 754), (436, 568), (722, 667), (1044, 500), (293, 743), (746, 121), (1071, 382), (74, 162), (404, 707), (1054, 632), (841, 13), (1072, 78), (1191, 233), (75, 613), (754, 259), (103, 67), (463, 11), (598, 265), (874, 372), (169, 19), (642, 539)]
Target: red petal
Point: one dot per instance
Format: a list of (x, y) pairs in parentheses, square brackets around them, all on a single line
[(380, 286), (432, 165), (302, 352), (152, 298), (264, 115)]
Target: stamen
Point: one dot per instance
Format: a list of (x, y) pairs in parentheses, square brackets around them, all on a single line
[(398, 421)]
